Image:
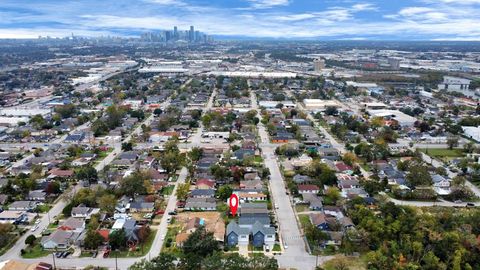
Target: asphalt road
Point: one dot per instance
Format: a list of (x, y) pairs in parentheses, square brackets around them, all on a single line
[(295, 255)]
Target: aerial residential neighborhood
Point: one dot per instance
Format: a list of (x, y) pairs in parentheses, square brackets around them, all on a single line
[(269, 135)]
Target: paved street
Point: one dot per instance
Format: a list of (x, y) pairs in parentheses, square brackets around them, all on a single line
[(295, 255)]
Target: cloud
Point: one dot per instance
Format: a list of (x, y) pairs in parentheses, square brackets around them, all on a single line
[(427, 19), (264, 4)]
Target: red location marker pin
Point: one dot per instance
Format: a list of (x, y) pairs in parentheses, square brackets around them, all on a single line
[(233, 204)]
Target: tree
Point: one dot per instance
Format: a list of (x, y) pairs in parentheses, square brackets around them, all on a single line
[(201, 243), (182, 191), (134, 184), (418, 175), (107, 203), (170, 161), (349, 158), (118, 239), (332, 194), (459, 181), (469, 147), (452, 142), (127, 146), (30, 240), (195, 154), (93, 240), (224, 192), (143, 233), (87, 173)]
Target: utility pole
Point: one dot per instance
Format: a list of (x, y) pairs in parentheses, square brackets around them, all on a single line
[(53, 257)]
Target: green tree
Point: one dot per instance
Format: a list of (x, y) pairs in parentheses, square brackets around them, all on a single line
[(182, 191), (418, 175), (93, 240), (87, 173), (107, 203), (224, 192), (452, 142), (30, 240), (118, 239), (134, 184)]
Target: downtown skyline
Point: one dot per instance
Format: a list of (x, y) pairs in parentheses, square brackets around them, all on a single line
[(285, 19)]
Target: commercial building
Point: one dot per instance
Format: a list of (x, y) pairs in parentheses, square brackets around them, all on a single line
[(472, 133), (320, 104), (402, 118)]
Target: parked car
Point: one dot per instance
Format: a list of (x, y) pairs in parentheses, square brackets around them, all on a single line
[(106, 253), (470, 204), (65, 254), (34, 228), (172, 213), (160, 212)]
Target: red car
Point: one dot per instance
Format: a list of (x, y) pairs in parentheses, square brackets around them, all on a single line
[(160, 212), (106, 253)]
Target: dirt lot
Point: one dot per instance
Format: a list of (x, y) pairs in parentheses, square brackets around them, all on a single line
[(213, 221)]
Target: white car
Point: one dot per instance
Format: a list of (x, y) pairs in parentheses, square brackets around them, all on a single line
[(276, 206), (38, 221), (34, 228)]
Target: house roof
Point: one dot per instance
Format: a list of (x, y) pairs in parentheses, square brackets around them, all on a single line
[(72, 224), (202, 192), (207, 182), (317, 218), (258, 227), (308, 187), (233, 227), (56, 172)]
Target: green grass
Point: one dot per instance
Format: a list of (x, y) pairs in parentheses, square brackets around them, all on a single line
[(258, 159), (43, 208), (277, 247), (304, 220), (443, 152), (352, 263), (86, 254), (36, 251), (301, 208), (168, 190)]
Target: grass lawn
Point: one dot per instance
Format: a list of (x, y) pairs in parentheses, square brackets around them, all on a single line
[(139, 251), (43, 208), (304, 220), (258, 159), (86, 254), (277, 247), (36, 251), (301, 208), (167, 190), (342, 262), (443, 152)]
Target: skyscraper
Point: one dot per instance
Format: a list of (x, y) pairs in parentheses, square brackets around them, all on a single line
[(191, 35), (175, 33)]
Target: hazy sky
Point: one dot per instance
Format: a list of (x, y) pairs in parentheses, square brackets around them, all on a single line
[(323, 19)]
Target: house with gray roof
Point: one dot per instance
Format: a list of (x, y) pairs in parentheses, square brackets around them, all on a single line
[(263, 235), (237, 235), (202, 193), (23, 206), (203, 204), (314, 201), (60, 239)]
